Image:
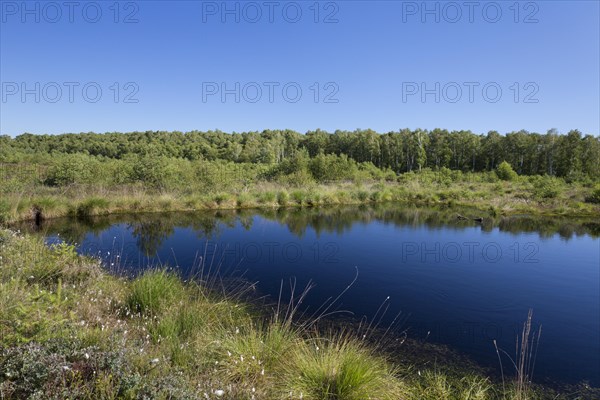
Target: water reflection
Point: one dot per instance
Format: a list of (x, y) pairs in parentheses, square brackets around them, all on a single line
[(151, 229)]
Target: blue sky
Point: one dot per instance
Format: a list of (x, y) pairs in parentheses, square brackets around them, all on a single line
[(383, 65)]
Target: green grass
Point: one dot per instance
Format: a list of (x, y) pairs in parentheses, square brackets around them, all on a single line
[(91, 206), (153, 291), (340, 367), (532, 195), (70, 330)]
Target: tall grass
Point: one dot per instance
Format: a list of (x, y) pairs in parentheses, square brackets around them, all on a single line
[(526, 348), (338, 368), (536, 195)]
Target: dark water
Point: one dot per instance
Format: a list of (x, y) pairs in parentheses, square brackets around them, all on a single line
[(454, 282)]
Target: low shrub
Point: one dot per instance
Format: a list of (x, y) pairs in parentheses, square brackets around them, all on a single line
[(547, 187), (594, 197), (505, 172)]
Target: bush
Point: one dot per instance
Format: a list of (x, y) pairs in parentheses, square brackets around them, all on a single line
[(331, 168), (300, 178), (505, 172), (244, 200), (70, 169), (367, 171), (595, 196), (150, 171), (547, 187)]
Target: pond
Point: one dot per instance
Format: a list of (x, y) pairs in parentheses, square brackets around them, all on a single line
[(452, 281)]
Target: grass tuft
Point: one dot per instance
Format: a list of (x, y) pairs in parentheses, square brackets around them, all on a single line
[(153, 291), (338, 369)]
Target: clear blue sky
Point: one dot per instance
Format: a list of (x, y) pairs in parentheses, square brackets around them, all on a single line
[(376, 56)]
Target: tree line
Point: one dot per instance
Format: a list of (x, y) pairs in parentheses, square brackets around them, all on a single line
[(572, 156)]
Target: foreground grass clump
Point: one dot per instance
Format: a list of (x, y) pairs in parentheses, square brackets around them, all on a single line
[(68, 330), (339, 368), (152, 291)]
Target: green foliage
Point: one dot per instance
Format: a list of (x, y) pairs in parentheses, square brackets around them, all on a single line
[(340, 369), (63, 369), (153, 291), (299, 197), (5, 210), (256, 351), (268, 197), (434, 385), (547, 187), (222, 198), (572, 155), (71, 169), (244, 200), (167, 171), (301, 178), (91, 206), (283, 197), (332, 168), (63, 250), (505, 172), (362, 195), (595, 196), (151, 171)]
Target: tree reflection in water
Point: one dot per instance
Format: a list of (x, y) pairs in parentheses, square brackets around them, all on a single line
[(151, 230)]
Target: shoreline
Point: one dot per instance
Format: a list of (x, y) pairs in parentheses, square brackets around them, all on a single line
[(64, 295), (100, 203)]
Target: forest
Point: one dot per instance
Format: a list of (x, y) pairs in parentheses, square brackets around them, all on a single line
[(573, 156), (91, 173)]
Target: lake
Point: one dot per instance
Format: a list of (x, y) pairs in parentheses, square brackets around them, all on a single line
[(456, 282)]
